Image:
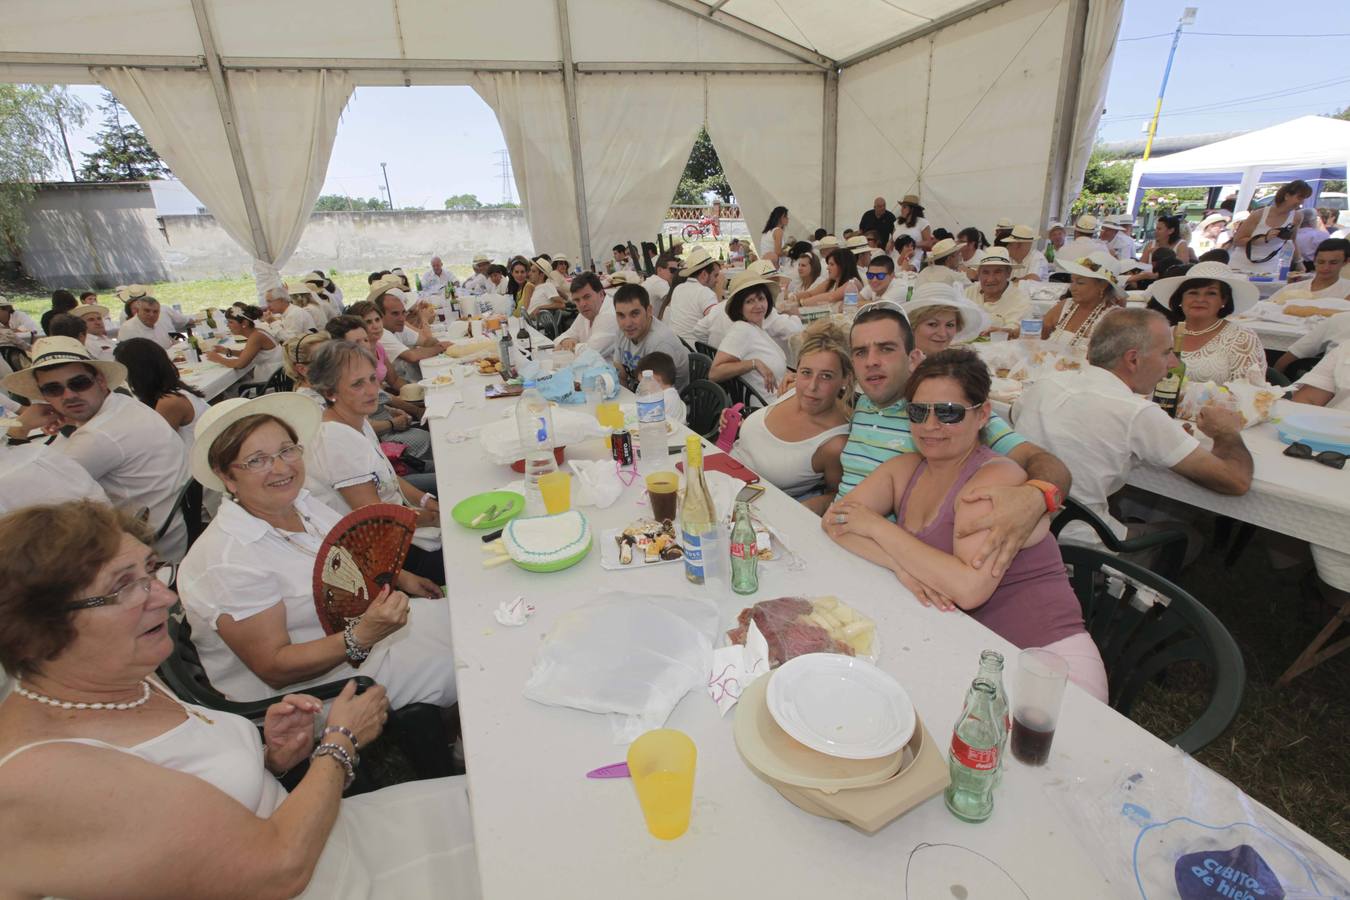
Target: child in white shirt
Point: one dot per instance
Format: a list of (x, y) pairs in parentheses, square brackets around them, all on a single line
[(663, 370)]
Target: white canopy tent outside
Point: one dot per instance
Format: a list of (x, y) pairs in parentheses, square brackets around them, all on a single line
[(1313, 148), (984, 109)]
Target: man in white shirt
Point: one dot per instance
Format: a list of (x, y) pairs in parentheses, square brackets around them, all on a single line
[(1116, 236), (1328, 384), (478, 283), (622, 260), (16, 320), (405, 346), (1083, 244), (658, 283), (1005, 302), (435, 279), (146, 322), (285, 320), (96, 338), (693, 298), (1331, 256), (881, 283), (944, 265), (1324, 337), (124, 445), (545, 295), (1102, 421), (1028, 262), (595, 327)]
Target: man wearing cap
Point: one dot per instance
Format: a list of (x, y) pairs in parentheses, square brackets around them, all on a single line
[(435, 279), (147, 322), (124, 445), (1004, 301), (642, 333), (285, 320), (694, 297), (878, 219), (1054, 240), (944, 265), (1028, 262), (96, 335), (658, 283), (478, 284), (1084, 244), (1002, 228), (595, 327), (860, 248), (1116, 236)]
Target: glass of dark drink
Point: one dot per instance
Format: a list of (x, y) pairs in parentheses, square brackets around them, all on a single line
[(1038, 692)]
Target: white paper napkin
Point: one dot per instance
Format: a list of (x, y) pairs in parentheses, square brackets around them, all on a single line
[(439, 403), (735, 666)]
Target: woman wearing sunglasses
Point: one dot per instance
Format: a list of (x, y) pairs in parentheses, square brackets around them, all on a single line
[(101, 764), (931, 494)]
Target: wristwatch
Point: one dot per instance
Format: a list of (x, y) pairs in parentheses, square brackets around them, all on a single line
[(1054, 498)]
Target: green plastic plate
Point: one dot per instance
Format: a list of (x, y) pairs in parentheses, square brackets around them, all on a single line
[(555, 566), (509, 505)]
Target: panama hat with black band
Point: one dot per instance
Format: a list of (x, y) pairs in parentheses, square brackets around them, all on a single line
[(50, 352)]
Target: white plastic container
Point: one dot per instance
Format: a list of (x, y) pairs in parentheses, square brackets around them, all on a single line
[(651, 410), (534, 422)]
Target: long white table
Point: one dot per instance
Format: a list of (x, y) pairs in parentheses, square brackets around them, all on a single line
[(542, 829)]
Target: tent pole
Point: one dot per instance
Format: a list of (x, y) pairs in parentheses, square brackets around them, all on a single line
[(1066, 109), (569, 73), (754, 32), (829, 150), (212, 56)]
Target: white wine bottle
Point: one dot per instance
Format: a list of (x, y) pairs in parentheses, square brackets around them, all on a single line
[(1167, 393), (698, 518)]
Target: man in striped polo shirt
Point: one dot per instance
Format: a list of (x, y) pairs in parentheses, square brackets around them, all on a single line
[(883, 351)]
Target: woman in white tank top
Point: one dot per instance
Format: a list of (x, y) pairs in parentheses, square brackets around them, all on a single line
[(1258, 240), (157, 798), (771, 240)]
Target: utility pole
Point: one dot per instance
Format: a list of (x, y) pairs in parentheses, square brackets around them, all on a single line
[(65, 142), (388, 193), (504, 163), (1187, 18)]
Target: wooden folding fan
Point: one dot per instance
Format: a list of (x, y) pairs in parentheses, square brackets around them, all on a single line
[(361, 555)]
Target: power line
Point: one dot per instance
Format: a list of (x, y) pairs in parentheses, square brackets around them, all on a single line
[(1149, 37), (1144, 37), (1239, 101)]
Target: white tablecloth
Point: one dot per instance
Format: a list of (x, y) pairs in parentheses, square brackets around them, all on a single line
[(212, 379), (540, 824)]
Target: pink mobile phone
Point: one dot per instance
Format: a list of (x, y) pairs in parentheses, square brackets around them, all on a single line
[(726, 438)]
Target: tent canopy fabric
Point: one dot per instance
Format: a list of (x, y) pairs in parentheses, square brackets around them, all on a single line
[(1313, 148), (986, 107)]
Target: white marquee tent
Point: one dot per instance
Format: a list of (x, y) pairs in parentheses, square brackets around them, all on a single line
[(983, 108), (1314, 148)]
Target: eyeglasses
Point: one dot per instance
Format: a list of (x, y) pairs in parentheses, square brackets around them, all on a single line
[(1300, 450), (261, 462), (132, 592), (947, 413), (77, 385), (877, 276)]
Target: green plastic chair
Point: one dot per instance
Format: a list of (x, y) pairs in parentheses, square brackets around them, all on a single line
[(1172, 544), (699, 366), (1138, 645), (705, 401)]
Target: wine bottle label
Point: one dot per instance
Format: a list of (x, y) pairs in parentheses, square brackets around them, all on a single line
[(981, 759), (693, 556)]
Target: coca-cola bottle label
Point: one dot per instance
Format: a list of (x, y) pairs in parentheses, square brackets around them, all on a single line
[(742, 550), (981, 759)]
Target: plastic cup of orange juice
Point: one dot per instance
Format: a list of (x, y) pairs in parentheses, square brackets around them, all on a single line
[(556, 488), (662, 765)]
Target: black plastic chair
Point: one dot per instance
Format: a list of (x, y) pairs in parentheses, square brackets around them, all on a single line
[(699, 366), (1171, 544), (705, 400), (1140, 640), (279, 382), (740, 391), (1276, 377), (548, 322), (189, 506), (707, 350)]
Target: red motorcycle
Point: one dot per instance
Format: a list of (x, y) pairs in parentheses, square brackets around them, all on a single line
[(706, 227)]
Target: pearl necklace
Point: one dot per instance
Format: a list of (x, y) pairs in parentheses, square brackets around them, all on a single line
[(66, 704), (1190, 333)]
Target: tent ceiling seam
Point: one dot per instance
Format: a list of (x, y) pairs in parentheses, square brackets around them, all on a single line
[(934, 25), (754, 32), (805, 41)]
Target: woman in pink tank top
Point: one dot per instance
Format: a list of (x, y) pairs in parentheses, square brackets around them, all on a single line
[(1032, 604)]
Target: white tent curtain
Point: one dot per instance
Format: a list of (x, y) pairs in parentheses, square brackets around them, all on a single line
[(636, 135), (286, 123), (1099, 48), (532, 112), (767, 131)]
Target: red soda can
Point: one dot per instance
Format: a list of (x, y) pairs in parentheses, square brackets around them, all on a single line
[(621, 446)]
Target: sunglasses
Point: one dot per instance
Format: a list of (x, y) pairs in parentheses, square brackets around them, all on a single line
[(947, 413), (1332, 458), (877, 276), (77, 385)]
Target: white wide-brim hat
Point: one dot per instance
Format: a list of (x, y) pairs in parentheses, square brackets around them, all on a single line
[(85, 309), (1211, 219), (1245, 294), (296, 410), (624, 276), (50, 352), (943, 248), (995, 256), (1089, 268), (747, 280), (974, 319), (698, 259)]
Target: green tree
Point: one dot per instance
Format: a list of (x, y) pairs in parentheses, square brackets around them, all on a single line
[(31, 147), (123, 153), (1102, 178), (463, 201), (343, 203), (702, 174), (507, 205)]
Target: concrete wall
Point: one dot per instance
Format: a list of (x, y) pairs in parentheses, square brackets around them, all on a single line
[(197, 247), (94, 235)]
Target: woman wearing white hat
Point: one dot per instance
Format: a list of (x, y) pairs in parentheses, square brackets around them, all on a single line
[(1213, 348), (1006, 302), (1094, 291), (941, 316), (261, 351), (748, 351), (247, 584), (909, 220)]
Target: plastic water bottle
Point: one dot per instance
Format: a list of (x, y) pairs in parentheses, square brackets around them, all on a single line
[(534, 424), (850, 304), (1031, 328), (651, 408), (1286, 258)]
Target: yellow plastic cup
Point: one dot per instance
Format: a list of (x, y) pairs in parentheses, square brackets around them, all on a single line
[(662, 765), (610, 415), (556, 488)]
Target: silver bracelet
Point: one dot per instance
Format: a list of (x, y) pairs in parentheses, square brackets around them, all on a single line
[(339, 754), (356, 654), (348, 734)]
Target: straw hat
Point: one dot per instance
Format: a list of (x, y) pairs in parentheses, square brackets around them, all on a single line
[(1020, 234), (911, 199), (698, 259), (1090, 268), (49, 352), (1122, 220), (6, 302), (995, 256), (481, 258), (943, 248), (747, 280), (386, 285), (1110, 222), (1244, 292), (1004, 223), (1054, 223), (560, 258), (828, 242), (314, 278), (88, 309), (974, 319), (766, 270), (298, 411), (858, 244), (1086, 224), (625, 276), (1211, 219)]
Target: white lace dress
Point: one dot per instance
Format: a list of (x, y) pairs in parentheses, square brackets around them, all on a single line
[(1234, 354)]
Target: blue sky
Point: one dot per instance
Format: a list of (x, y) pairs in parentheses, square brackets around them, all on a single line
[(444, 140)]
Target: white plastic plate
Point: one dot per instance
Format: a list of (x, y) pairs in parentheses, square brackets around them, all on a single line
[(841, 706)]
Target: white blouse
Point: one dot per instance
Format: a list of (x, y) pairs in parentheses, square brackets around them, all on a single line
[(1234, 354), (745, 341), (785, 464), (339, 456)]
